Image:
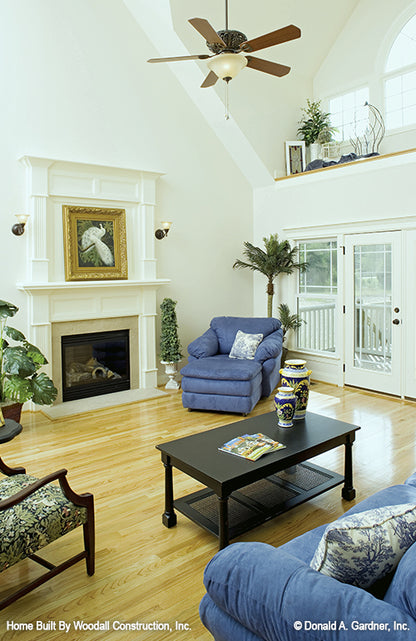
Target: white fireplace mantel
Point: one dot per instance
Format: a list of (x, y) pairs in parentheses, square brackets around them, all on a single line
[(54, 302)]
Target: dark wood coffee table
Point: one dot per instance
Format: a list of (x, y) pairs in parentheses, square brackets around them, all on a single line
[(241, 494)]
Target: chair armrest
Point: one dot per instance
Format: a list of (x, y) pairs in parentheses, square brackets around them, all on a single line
[(269, 591), (205, 345), (78, 499), (270, 347)]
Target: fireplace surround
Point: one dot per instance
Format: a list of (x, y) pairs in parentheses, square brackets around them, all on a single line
[(58, 307)]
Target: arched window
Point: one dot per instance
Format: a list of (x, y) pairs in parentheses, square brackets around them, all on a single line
[(400, 79)]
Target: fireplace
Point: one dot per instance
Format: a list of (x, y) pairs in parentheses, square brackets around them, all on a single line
[(94, 364)]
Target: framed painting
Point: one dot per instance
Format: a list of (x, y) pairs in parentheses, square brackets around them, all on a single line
[(95, 246), (295, 157)]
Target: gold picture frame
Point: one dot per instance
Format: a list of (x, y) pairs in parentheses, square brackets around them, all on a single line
[(95, 245)]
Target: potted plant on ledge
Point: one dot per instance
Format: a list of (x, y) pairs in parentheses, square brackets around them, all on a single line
[(20, 380), (169, 342)]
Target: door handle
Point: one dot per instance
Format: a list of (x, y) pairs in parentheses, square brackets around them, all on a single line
[(396, 321)]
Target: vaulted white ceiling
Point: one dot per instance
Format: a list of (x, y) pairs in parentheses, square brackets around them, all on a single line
[(265, 109)]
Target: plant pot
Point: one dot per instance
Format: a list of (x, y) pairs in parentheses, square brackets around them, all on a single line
[(314, 151), (171, 370), (11, 410)]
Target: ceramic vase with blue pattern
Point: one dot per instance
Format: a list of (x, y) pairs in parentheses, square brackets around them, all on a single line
[(295, 374), (285, 404)]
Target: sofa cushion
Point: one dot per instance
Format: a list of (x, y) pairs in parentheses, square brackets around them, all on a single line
[(226, 328), (401, 592), (361, 548), (221, 367), (213, 386), (245, 345)]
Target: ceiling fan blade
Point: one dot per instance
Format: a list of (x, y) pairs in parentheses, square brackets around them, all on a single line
[(210, 80), (274, 68), (203, 56), (207, 31), (273, 38)]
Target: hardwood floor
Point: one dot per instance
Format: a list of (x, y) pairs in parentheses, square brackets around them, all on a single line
[(144, 572)]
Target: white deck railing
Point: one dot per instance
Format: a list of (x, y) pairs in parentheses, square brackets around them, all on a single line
[(372, 329)]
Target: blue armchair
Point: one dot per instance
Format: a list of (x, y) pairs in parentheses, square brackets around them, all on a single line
[(212, 380)]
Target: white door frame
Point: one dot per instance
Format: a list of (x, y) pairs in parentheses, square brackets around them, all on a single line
[(387, 382)]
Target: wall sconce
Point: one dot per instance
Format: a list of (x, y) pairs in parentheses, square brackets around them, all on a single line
[(161, 233), (19, 228)]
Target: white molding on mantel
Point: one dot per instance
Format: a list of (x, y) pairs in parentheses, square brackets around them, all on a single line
[(92, 284)]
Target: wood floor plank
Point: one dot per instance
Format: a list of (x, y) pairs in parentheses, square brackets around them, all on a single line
[(146, 573)]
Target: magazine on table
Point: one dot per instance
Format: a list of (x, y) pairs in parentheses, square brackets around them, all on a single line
[(251, 446)]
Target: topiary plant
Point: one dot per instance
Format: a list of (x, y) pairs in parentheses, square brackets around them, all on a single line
[(170, 347), (20, 380)]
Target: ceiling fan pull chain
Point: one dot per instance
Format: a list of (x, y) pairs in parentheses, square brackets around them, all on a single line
[(227, 104)]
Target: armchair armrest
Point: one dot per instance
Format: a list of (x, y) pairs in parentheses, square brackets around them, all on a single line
[(270, 347), (205, 345), (77, 499), (277, 596)]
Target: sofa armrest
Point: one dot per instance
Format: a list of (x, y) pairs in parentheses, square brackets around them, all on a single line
[(205, 345), (277, 596), (270, 346)]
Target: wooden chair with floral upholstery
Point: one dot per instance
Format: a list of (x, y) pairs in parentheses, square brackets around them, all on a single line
[(33, 513)]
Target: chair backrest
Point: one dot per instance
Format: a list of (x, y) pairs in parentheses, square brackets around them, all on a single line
[(226, 328)]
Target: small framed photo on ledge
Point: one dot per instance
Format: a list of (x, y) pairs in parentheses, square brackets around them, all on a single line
[(295, 156), (94, 243)]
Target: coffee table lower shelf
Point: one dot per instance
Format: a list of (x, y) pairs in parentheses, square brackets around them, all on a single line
[(254, 504)]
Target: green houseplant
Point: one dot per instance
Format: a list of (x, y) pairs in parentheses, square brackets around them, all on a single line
[(170, 347), (20, 361), (289, 322), (277, 257), (314, 123)]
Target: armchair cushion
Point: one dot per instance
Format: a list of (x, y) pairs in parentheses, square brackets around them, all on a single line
[(270, 347), (220, 367), (205, 345), (245, 345), (36, 521), (226, 327)]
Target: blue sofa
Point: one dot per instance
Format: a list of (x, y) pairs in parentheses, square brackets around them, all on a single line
[(257, 592), (213, 381)]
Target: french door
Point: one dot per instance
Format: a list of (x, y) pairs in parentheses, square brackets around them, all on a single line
[(373, 311)]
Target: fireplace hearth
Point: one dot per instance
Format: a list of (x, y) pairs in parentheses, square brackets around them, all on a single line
[(94, 364)]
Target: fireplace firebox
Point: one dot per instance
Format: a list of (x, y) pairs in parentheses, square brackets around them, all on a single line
[(94, 364)]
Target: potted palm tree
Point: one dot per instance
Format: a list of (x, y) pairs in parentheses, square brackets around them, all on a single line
[(170, 347), (20, 361), (278, 257)]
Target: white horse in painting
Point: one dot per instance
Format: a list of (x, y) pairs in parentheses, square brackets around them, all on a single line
[(92, 237)]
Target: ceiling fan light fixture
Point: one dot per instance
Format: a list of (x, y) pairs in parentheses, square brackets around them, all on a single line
[(227, 65)]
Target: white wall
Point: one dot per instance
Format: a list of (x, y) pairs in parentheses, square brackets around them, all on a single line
[(76, 85)]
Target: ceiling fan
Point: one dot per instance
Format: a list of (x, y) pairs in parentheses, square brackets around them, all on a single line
[(230, 50)]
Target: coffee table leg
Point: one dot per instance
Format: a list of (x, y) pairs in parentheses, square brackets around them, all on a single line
[(223, 522), (169, 516), (348, 491)]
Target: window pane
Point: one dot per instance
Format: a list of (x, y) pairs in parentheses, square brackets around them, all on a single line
[(393, 86), (409, 116), (317, 332), (317, 296), (348, 114), (394, 120), (403, 51)]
